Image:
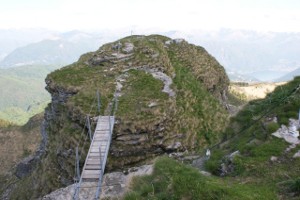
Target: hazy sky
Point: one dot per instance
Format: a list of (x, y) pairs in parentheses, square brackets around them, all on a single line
[(164, 15)]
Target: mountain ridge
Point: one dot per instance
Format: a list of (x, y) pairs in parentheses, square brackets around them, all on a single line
[(151, 120)]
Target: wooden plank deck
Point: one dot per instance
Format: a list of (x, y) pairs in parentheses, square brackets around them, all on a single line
[(97, 155)]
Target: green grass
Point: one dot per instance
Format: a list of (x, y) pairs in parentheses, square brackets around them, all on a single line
[(199, 111), (172, 180), (4, 123), (23, 92), (194, 117), (140, 90), (250, 133)]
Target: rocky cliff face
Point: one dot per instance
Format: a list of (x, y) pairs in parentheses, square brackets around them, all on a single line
[(170, 96)]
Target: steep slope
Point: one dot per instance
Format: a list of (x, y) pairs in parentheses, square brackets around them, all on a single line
[(18, 144), (171, 98), (22, 92), (250, 163), (261, 158)]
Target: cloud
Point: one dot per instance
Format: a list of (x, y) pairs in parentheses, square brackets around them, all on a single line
[(161, 14)]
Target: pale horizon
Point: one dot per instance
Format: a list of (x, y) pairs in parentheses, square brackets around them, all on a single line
[(150, 16)]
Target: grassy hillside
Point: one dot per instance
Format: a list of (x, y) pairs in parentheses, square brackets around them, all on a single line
[(16, 143), (150, 120), (23, 92), (250, 133), (253, 174), (173, 180)]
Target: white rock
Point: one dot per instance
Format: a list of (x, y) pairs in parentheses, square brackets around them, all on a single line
[(273, 158), (205, 173), (288, 134), (178, 40), (152, 104), (119, 86), (168, 42), (232, 155), (128, 47), (114, 186), (297, 155)]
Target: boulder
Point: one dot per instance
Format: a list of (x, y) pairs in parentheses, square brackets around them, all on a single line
[(128, 48), (297, 155)]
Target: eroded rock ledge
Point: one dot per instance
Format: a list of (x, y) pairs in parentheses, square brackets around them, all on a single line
[(115, 185)]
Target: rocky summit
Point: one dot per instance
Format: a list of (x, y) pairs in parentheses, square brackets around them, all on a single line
[(169, 96)]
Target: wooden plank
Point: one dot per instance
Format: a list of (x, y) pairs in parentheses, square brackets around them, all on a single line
[(94, 172), (100, 136), (99, 139), (97, 147), (103, 129), (97, 152), (101, 132), (96, 156), (90, 176), (93, 147), (93, 154), (95, 166), (102, 144), (99, 142), (93, 162)]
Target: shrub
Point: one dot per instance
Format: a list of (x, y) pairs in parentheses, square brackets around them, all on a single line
[(295, 186), (283, 120), (272, 127), (214, 163), (239, 167), (292, 114)]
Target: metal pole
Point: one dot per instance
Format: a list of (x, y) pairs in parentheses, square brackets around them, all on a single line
[(109, 125), (116, 106), (89, 127), (77, 175), (299, 117), (99, 103), (77, 164), (119, 44)]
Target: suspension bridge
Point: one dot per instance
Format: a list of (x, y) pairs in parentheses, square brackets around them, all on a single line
[(91, 176)]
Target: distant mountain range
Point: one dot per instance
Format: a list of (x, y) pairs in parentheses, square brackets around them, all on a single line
[(10, 39), (61, 49), (260, 56), (246, 55), (265, 56), (236, 77), (289, 76)]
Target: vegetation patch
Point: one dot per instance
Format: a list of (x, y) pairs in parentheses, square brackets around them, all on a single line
[(172, 180), (263, 160), (23, 92), (199, 112)]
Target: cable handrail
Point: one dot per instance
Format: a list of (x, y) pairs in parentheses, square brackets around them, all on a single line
[(81, 144)]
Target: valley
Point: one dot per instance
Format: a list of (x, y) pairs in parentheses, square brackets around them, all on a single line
[(23, 92), (251, 91)]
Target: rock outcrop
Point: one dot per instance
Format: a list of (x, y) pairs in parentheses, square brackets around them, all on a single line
[(115, 185), (171, 98)]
